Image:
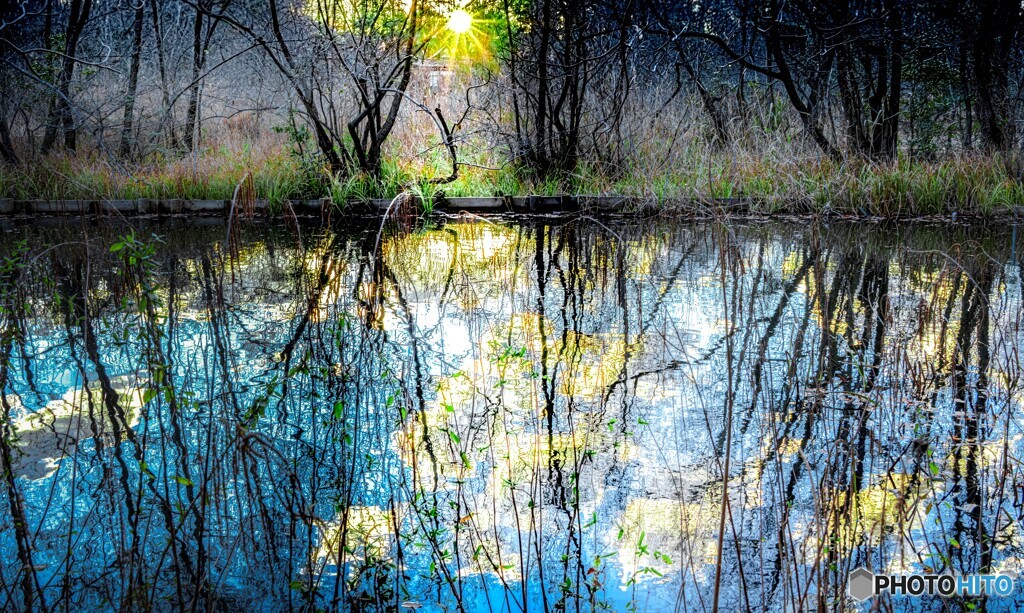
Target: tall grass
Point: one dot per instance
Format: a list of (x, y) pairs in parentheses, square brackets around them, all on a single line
[(664, 160)]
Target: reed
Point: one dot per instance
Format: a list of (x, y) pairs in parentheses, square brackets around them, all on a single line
[(664, 161)]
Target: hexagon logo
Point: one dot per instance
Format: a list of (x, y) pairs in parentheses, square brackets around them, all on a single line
[(861, 584)]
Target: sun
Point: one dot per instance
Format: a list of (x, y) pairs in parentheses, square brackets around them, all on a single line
[(459, 21)]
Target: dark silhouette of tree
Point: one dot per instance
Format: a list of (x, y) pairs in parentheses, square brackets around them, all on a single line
[(133, 81), (991, 35), (558, 53), (63, 115)]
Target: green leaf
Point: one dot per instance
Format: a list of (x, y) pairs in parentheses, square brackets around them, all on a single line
[(116, 247), (339, 409), (183, 480)]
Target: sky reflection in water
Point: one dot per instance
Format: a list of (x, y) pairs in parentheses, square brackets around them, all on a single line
[(506, 414)]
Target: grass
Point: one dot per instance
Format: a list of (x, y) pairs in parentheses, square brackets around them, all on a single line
[(770, 179), (211, 174)]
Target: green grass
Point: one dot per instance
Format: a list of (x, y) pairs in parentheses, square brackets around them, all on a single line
[(978, 185), (212, 176)]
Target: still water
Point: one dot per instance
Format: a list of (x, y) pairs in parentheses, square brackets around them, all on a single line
[(506, 414)]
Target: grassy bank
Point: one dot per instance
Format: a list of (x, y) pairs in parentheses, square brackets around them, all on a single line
[(970, 185)]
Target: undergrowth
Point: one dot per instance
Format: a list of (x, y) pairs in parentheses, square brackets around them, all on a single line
[(977, 185)]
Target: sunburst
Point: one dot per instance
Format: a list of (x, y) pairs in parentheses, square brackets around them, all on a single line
[(462, 35), (459, 21)]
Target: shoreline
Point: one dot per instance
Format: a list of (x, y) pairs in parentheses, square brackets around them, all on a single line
[(528, 204)]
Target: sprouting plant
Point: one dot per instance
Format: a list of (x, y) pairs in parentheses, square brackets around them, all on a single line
[(425, 194)]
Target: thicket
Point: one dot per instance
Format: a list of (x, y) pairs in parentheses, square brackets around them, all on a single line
[(885, 106)]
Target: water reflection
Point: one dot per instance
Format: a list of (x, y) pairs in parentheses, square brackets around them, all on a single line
[(505, 415)]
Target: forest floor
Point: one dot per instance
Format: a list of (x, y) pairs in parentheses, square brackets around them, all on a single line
[(976, 185)]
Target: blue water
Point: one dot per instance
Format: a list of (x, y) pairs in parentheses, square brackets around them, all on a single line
[(506, 414)]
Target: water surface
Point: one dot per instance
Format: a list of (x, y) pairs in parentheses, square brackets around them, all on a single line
[(507, 414)]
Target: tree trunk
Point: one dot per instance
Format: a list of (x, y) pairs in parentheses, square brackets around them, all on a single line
[(965, 90), (998, 26), (806, 110), (853, 107), (51, 109), (63, 115), (870, 75), (161, 68), (540, 138), (889, 137), (197, 65), (7, 152), (133, 84), (710, 104)]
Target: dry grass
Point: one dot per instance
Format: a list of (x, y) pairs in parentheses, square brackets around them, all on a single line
[(665, 158)]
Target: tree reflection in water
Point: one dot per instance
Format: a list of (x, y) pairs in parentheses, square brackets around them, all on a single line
[(505, 415)]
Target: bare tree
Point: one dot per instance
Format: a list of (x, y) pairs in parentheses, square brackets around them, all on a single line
[(162, 71), (133, 81), (557, 54), (991, 33), (349, 64), (202, 35), (63, 116), (9, 18)]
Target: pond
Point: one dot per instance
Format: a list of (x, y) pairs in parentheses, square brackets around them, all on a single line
[(506, 414)]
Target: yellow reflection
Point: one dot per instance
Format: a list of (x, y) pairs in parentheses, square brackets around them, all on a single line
[(326, 272), (653, 534), (367, 536), (53, 432), (985, 455), (594, 362), (891, 502), (472, 261)]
